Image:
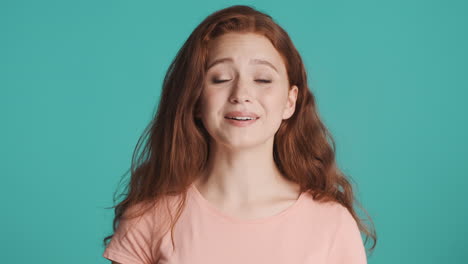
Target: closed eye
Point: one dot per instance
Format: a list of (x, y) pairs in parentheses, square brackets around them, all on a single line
[(258, 80), (220, 81), (264, 81)]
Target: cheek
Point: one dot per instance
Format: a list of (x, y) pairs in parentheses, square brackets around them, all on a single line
[(211, 102), (273, 103)]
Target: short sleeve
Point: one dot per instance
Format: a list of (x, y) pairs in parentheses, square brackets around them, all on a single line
[(347, 246), (134, 240)]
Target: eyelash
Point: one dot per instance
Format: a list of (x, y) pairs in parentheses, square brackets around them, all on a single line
[(260, 80)]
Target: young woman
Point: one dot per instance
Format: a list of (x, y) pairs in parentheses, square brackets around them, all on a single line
[(237, 167)]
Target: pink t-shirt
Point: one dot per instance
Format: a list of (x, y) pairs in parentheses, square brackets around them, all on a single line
[(307, 232)]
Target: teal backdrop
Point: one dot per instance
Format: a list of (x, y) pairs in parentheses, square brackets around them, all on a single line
[(81, 79)]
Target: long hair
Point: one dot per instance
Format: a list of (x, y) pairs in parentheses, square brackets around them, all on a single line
[(176, 144)]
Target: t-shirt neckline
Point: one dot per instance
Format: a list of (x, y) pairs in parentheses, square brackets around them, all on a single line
[(200, 199)]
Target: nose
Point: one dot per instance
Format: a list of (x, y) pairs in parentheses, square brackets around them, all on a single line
[(240, 92)]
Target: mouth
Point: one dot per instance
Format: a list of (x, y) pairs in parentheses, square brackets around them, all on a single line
[(242, 119), (241, 122), (241, 115)]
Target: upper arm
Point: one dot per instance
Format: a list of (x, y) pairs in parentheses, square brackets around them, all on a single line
[(347, 245), (134, 240)]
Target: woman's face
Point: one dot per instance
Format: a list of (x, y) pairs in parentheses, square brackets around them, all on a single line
[(245, 73)]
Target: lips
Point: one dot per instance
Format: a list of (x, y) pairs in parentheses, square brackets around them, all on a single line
[(241, 114)]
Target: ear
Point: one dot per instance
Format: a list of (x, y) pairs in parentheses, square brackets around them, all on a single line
[(291, 102)]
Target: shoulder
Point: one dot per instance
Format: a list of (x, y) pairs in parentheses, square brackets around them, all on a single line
[(328, 214), (331, 209), (346, 243), (140, 232), (149, 216), (337, 228)]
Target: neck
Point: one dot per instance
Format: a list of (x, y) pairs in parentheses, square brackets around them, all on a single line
[(244, 175)]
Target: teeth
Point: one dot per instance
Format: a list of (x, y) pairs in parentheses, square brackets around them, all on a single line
[(241, 118)]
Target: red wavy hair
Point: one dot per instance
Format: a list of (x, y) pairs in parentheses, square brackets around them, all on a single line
[(304, 150)]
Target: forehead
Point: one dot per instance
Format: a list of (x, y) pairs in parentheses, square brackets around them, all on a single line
[(244, 47)]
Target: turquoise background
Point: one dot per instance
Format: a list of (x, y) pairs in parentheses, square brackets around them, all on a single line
[(81, 79)]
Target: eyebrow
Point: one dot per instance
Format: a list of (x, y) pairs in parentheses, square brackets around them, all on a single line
[(252, 61)]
